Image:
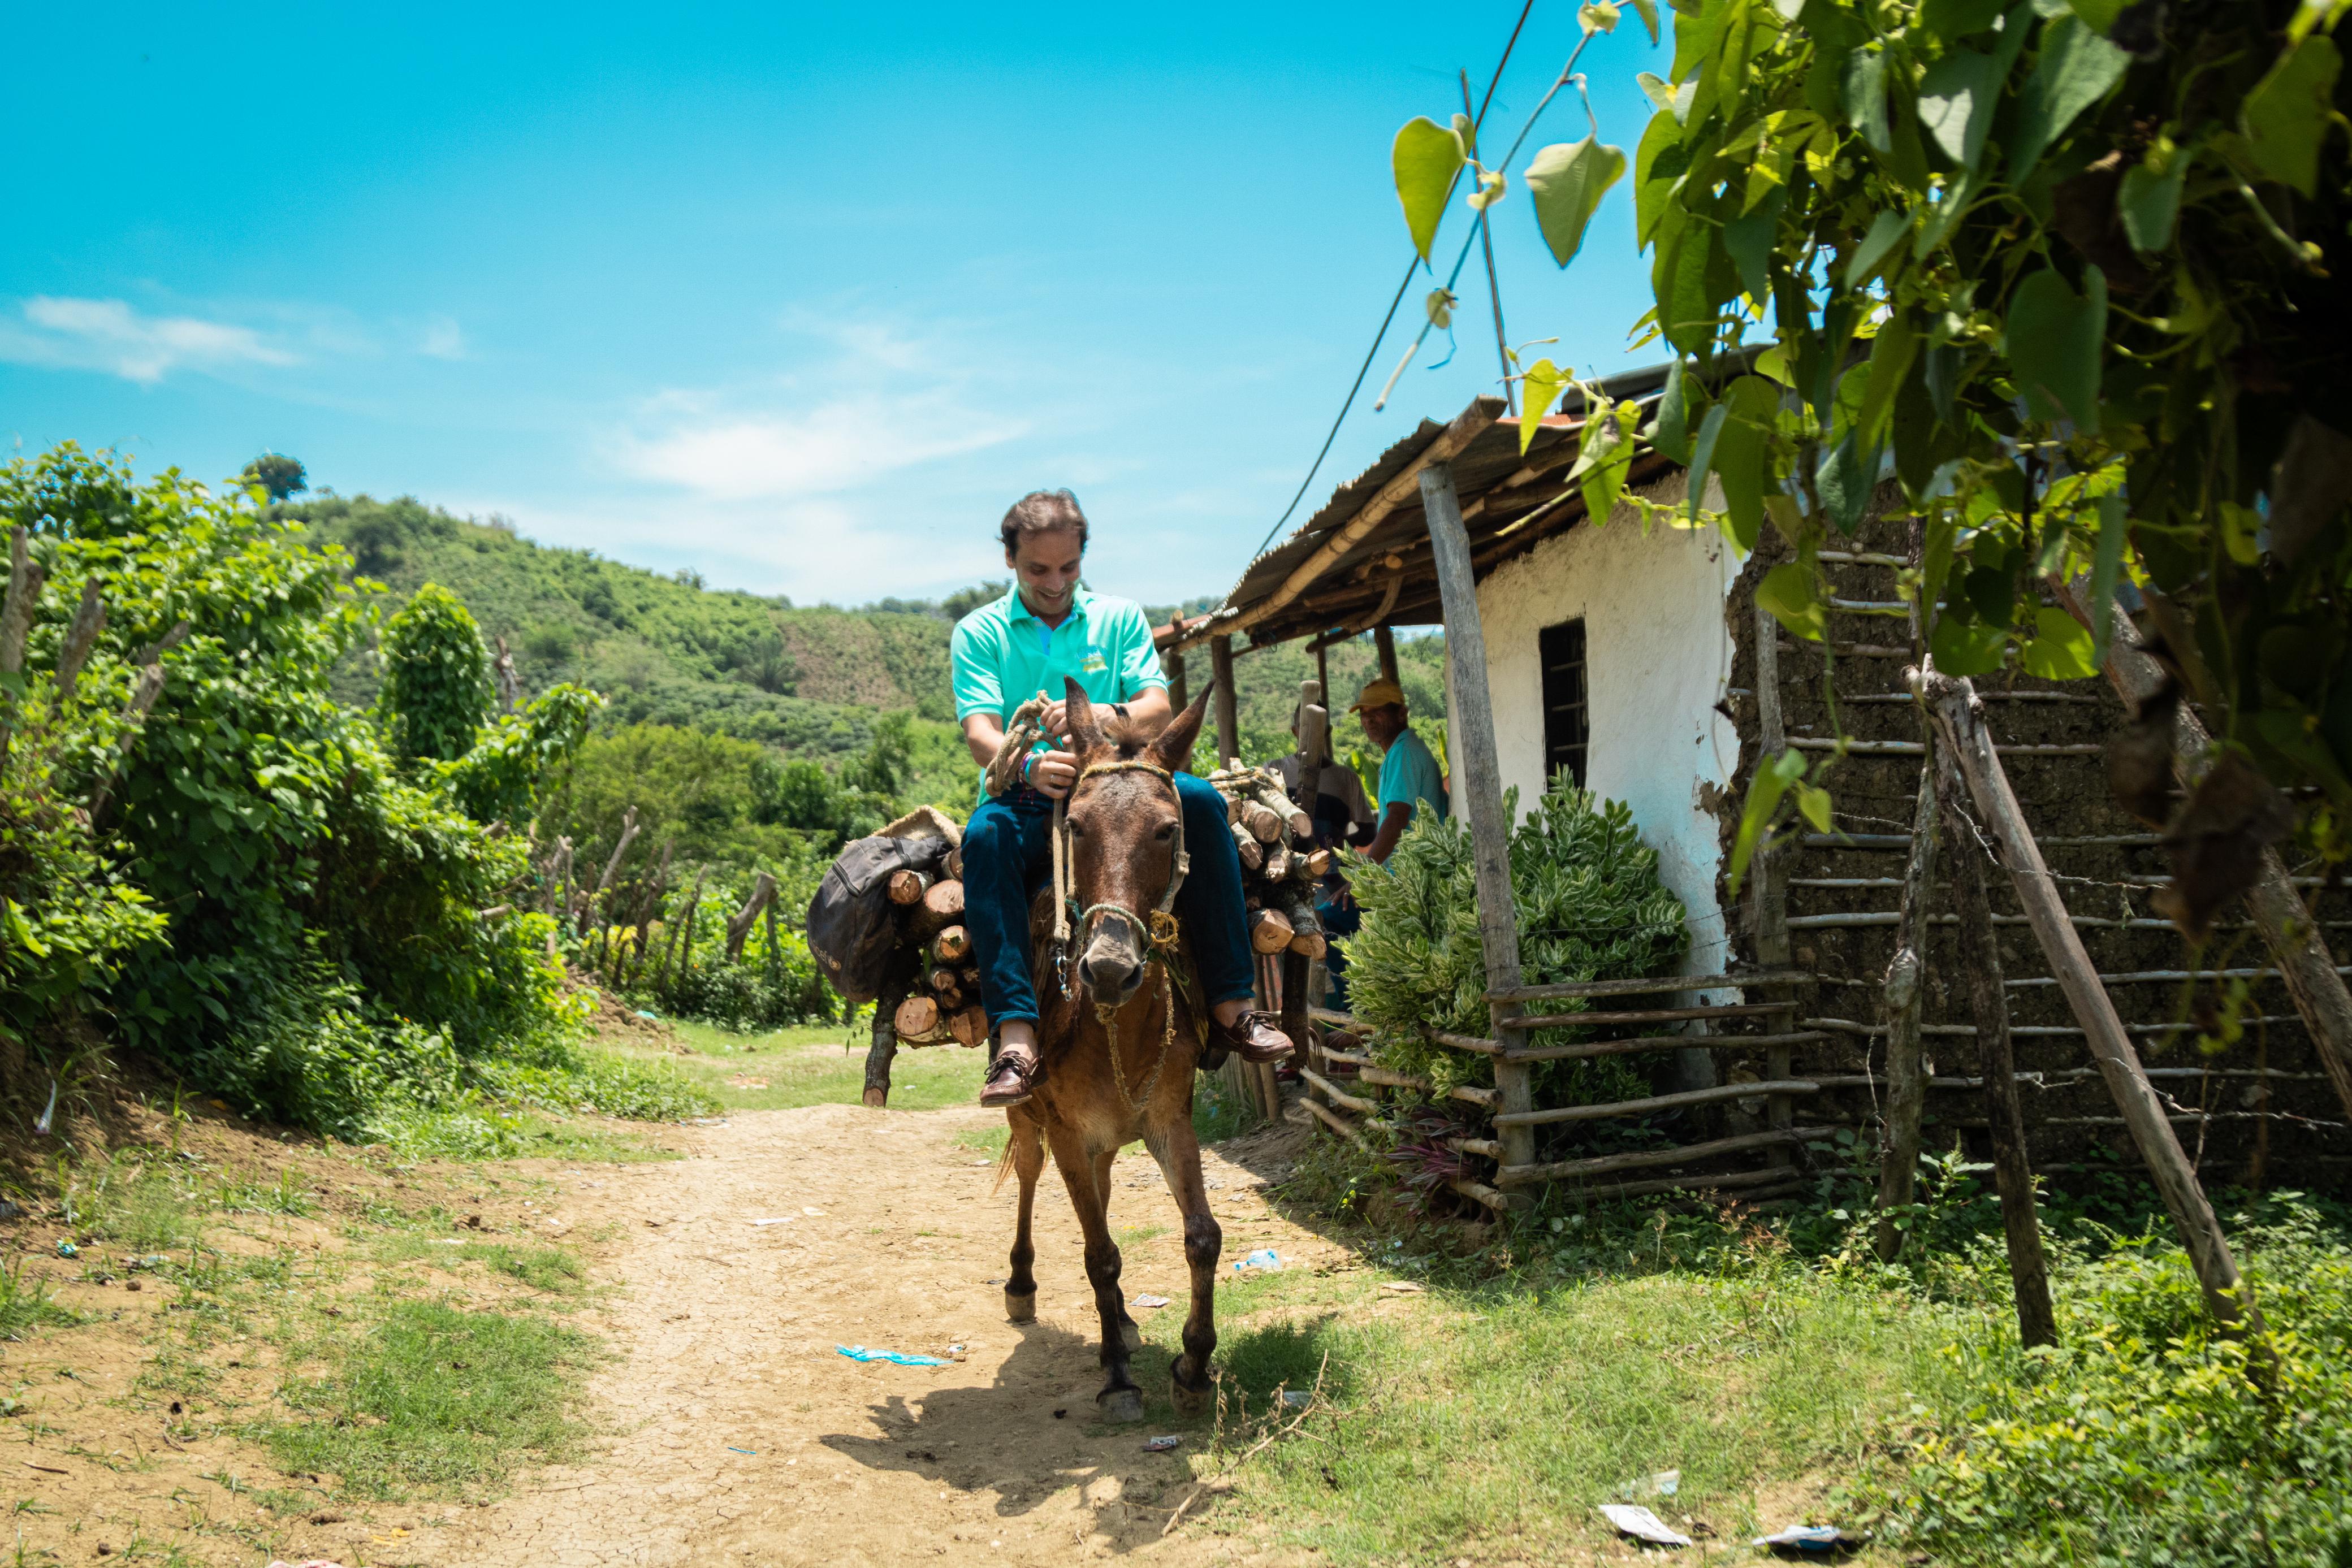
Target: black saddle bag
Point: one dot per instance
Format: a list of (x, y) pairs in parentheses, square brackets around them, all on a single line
[(853, 926)]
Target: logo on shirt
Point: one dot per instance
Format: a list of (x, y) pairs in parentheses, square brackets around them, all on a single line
[(1094, 664)]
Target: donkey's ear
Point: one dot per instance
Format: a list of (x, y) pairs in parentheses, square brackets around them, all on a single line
[(1086, 735), (1173, 748)]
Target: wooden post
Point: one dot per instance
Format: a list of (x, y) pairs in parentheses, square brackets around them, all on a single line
[(1906, 998), (1229, 723), (628, 836), (775, 954), (2293, 937), (1769, 877), (1959, 723), (2013, 1171), (1472, 744), (739, 927), (1384, 638), (1323, 677), (1177, 698)]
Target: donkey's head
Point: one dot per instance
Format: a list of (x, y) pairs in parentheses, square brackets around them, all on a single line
[(1124, 825)]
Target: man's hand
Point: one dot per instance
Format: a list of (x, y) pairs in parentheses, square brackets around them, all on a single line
[(1056, 719), (1051, 773)]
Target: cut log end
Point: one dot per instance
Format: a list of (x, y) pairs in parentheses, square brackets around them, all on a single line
[(908, 886), (969, 1027), (943, 902), (1310, 943), (916, 1016), (950, 946), (1270, 931), (1263, 825)]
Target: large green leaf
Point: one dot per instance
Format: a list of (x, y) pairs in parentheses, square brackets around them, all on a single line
[(2054, 340), (1541, 384), (1787, 590), (1702, 459), (1862, 94), (2149, 198), (1885, 230), (1669, 433), (1891, 354), (1748, 239), (1765, 790), (1424, 158), (1966, 647), (1743, 453), (1957, 97), (2076, 69), (1567, 182), (1648, 10), (2291, 111), (2061, 649)]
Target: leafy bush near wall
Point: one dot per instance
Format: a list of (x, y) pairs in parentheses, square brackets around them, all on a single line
[(1591, 906)]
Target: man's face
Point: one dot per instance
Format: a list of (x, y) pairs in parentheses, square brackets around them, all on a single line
[(1046, 566), (1384, 724)]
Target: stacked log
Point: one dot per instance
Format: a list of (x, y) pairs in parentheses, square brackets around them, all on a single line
[(943, 1007), (1279, 868)]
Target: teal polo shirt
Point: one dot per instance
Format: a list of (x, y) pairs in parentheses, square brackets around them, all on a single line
[(1001, 655), (1409, 777)]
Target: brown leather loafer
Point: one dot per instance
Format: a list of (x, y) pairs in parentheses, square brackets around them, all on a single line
[(1011, 1079), (1252, 1037)]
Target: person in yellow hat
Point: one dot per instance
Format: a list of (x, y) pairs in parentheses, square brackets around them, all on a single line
[(1410, 778)]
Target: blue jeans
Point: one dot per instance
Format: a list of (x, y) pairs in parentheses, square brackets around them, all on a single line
[(1008, 855)]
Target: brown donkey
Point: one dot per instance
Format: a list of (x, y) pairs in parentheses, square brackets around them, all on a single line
[(1119, 1038)]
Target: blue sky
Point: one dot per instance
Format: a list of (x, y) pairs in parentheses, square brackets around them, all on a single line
[(800, 298)]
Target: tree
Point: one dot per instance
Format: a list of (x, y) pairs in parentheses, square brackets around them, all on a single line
[(436, 692), (279, 475), (2070, 272)]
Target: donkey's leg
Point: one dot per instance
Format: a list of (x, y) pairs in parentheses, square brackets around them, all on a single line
[(1121, 1399), (1177, 1149), (1026, 1150), (1128, 1330)]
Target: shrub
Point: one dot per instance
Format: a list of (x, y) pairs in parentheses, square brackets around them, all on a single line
[(436, 678), (1591, 906)]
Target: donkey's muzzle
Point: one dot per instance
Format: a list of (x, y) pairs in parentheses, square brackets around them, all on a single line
[(1111, 969)]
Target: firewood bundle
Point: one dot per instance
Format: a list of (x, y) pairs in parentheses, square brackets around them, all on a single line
[(942, 1008), (1278, 869)]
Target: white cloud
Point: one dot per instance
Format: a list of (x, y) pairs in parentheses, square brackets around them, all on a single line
[(443, 339), (840, 444), (110, 335)]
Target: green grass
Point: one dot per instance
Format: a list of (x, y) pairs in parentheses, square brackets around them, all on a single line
[(483, 1130), (1490, 1420), (28, 1303), (807, 1066), (554, 1270), (437, 1398)]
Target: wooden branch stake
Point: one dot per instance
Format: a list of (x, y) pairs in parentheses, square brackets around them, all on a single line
[(1907, 989), (628, 836), (89, 620), (2029, 1269), (502, 670), (1481, 786), (739, 928), (26, 576), (1959, 723)]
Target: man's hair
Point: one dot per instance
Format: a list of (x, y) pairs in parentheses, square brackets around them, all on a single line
[(1043, 512)]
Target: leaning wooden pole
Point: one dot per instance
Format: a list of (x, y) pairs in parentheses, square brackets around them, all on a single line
[(1906, 999), (2293, 937), (1472, 744), (1960, 723), (1980, 966)]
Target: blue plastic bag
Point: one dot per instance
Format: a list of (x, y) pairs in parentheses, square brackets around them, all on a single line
[(897, 1357)]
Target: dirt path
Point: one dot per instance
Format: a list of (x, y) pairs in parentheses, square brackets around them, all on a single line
[(741, 1435)]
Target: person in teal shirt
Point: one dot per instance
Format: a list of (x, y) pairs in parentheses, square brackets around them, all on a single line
[(1409, 779), (1049, 631)]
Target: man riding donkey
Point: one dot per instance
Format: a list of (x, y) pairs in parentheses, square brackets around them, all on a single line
[(1047, 633)]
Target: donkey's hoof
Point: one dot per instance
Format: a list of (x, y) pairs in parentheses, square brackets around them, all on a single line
[(1120, 1404), (1021, 1309), (1188, 1401), (1131, 1334)]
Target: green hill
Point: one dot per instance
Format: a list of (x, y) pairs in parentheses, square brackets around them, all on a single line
[(803, 684)]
